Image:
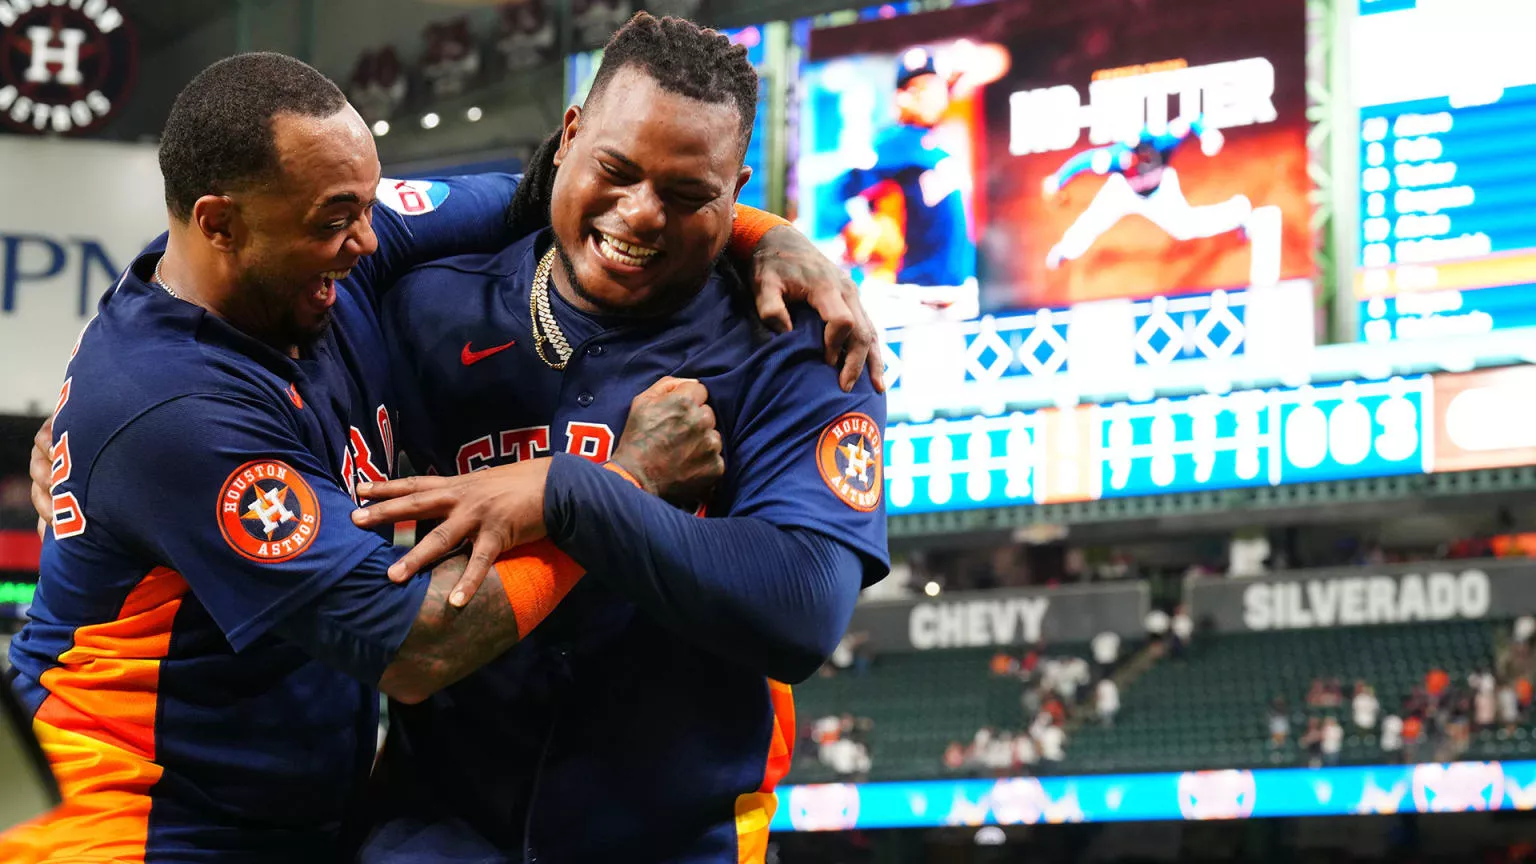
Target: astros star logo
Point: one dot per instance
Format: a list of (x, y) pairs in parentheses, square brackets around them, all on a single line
[(271, 509), (267, 512), (851, 460), (858, 460)]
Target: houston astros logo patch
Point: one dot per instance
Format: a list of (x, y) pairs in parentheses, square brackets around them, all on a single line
[(851, 460), (267, 512)]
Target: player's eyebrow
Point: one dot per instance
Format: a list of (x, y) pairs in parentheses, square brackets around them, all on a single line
[(635, 166), (619, 157), (342, 198)]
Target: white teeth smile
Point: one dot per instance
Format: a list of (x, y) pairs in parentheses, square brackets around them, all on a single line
[(617, 250)]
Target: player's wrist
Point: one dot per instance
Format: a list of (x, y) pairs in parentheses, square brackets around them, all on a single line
[(630, 475)]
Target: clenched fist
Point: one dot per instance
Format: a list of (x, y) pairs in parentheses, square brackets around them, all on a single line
[(670, 444)]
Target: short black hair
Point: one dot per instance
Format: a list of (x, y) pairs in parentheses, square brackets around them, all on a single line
[(683, 58), (219, 134)]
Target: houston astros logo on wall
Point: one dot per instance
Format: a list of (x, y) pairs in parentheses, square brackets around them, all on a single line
[(851, 459), (65, 65), (267, 512)]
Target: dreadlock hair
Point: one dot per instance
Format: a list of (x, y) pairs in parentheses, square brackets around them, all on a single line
[(218, 136), (682, 58)]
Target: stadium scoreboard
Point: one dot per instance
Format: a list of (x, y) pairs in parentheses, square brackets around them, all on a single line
[(1447, 96)]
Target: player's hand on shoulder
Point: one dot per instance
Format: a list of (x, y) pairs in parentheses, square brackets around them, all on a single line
[(670, 445), (493, 509), (41, 469), (788, 268)]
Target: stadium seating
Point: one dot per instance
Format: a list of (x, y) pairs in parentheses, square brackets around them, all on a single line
[(919, 704), (1205, 711), (1211, 709)]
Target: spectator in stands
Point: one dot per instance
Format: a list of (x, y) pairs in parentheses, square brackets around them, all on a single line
[(1057, 710), (1031, 701), (998, 758), (451, 60), (1052, 742), (1157, 624), (1523, 694), (842, 656), (1108, 699), (1071, 674), (1279, 723), (1412, 735), (826, 730), (1485, 704), (979, 742), (1004, 664), (1106, 650), (1030, 664), (1311, 742), (1025, 753), (849, 758), (1366, 706), (1509, 707), (1457, 729), (1183, 628), (1525, 628), (1333, 694), (954, 756), (1436, 682), (1317, 694), (1332, 740), (852, 652), (1391, 734)]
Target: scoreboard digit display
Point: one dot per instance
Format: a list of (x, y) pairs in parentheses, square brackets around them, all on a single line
[(1447, 231), (1418, 424)]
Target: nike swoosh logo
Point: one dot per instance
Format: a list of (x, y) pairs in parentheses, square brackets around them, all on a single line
[(470, 358)]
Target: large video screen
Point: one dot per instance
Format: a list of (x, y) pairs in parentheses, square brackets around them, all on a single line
[(581, 69), (1011, 156), (1447, 98)]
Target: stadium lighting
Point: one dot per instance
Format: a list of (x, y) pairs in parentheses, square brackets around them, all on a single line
[(381, 128), (430, 120), (931, 589), (474, 114)]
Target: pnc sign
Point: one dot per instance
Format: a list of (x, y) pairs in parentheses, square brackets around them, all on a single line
[(65, 65)]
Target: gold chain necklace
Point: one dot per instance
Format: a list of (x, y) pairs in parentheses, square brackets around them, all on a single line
[(541, 318)]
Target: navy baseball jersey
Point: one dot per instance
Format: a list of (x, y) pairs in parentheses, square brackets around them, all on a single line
[(939, 247), (202, 492), (612, 732)]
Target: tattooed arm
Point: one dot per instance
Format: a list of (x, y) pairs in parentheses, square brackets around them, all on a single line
[(418, 637), (448, 642)]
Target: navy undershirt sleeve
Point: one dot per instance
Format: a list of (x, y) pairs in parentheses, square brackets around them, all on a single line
[(358, 624), (774, 599)]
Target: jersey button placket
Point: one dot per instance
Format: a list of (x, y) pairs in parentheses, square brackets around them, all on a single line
[(585, 399)]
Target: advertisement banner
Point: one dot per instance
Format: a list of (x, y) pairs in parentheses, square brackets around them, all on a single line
[(1358, 596), (1457, 787), (74, 215), (983, 619)]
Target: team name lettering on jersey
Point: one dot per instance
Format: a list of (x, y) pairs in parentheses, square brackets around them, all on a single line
[(358, 464), (267, 512), (849, 454), (592, 441)]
